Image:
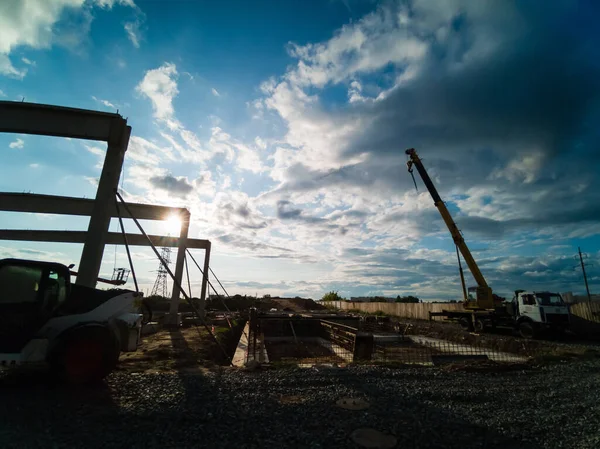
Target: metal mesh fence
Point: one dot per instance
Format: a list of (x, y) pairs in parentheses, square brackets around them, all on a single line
[(312, 340), (416, 349)]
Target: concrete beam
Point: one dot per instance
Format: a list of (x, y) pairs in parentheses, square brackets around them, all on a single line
[(113, 238), (64, 205), (50, 120)]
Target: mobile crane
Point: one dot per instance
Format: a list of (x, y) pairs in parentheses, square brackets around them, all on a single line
[(528, 312)]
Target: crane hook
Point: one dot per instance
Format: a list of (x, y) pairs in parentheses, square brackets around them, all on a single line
[(409, 164)]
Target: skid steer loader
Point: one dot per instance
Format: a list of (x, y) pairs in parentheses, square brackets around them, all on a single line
[(77, 332)]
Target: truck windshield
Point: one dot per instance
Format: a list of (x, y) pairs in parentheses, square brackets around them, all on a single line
[(549, 299)]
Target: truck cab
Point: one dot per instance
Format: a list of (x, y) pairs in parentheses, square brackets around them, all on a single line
[(538, 310)]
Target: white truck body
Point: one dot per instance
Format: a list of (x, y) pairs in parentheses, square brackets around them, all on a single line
[(546, 309)]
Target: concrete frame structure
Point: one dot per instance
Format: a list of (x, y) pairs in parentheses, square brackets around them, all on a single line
[(62, 205), (49, 120)]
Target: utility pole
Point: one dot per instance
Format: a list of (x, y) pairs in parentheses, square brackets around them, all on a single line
[(587, 288)]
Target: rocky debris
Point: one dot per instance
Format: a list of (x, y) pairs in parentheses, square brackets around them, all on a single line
[(352, 403), (252, 365), (374, 439), (556, 406)]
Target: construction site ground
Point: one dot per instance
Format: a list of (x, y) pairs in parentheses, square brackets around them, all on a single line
[(557, 406), (187, 349), (547, 348), (191, 349), (176, 392)]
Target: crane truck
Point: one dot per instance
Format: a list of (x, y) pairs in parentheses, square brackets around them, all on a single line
[(529, 312), (78, 332)]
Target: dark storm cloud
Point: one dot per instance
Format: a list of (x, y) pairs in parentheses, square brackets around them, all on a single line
[(262, 250), (284, 211), (175, 186), (538, 89), (491, 228), (323, 227), (246, 218), (380, 262)]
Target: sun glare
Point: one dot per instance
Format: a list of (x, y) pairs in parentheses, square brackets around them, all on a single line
[(172, 225)]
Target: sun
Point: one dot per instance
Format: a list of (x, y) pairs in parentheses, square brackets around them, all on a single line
[(172, 225)]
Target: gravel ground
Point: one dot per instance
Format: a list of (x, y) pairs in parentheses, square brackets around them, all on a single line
[(557, 406)]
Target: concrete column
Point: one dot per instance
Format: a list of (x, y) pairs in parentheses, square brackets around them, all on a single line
[(93, 248), (202, 304), (206, 271), (179, 265)]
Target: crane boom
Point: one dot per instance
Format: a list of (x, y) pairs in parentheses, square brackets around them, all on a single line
[(484, 297)]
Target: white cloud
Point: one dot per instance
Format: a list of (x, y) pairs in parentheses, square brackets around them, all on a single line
[(33, 254), (134, 28), (133, 33), (246, 157), (260, 143), (19, 143), (372, 43), (34, 165), (7, 69), (2, 94), (215, 92), (148, 153), (110, 3), (160, 86), (28, 61), (226, 182), (523, 168), (95, 150), (106, 103), (31, 23)]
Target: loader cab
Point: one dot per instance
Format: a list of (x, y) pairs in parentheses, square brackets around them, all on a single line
[(30, 293)]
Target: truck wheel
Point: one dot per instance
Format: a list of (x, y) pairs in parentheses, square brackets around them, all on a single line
[(85, 355), (526, 330), (465, 323), (479, 325)]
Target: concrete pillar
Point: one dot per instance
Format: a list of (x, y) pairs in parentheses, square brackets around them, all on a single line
[(364, 345), (179, 266), (206, 272), (93, 248)]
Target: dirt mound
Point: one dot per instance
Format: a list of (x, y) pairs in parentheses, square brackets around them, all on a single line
[(296, 304)]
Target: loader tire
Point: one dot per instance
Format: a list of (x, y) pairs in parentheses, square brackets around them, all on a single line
[(85, 355)]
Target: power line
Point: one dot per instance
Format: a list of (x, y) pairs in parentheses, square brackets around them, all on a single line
[(587, 288)]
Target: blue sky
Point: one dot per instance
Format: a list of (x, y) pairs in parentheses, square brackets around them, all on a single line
[(282, 127)]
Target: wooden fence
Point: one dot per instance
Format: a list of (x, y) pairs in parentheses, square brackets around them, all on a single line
[(585, 316), (415, 311)]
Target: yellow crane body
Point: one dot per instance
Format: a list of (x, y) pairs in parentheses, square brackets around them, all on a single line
[(483, 298)]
